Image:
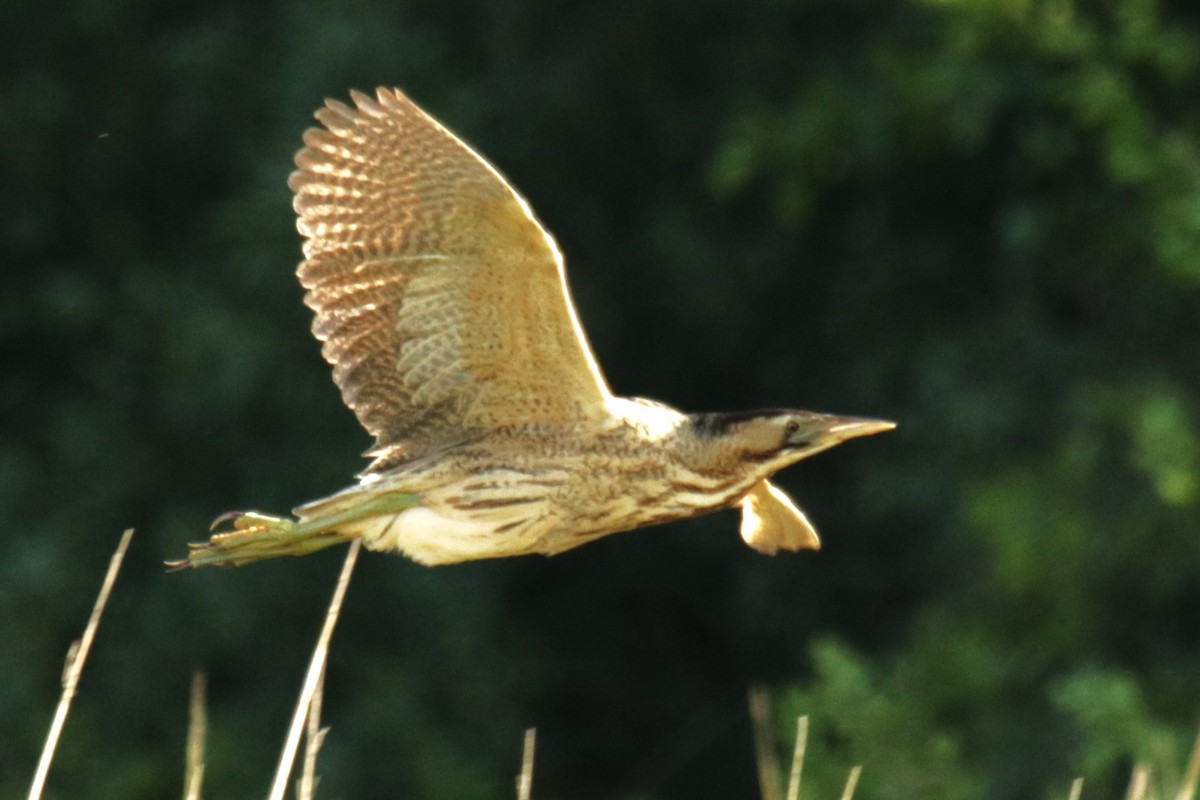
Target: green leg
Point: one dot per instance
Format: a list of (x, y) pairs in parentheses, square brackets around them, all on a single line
[(258, 536)]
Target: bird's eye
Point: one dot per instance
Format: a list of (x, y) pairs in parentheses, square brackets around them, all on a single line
[(791, 427)]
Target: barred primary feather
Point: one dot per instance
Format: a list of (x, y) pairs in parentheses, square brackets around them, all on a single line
[(441, 301)]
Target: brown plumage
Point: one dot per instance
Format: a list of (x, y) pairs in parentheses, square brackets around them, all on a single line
[(443, 307)]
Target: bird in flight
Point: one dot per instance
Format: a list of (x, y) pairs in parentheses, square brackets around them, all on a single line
[(442, 305)]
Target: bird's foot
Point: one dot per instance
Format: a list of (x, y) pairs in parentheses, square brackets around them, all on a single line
[(253, 537), (250, 521)]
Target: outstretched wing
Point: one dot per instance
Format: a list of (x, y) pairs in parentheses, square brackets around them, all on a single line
[(441, 301)]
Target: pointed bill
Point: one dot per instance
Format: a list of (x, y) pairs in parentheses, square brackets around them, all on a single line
[(842, 428)]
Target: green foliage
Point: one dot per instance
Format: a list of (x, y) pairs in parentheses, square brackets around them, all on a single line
[(882, 723), (1114, 727), (978, 217), (913, 741)]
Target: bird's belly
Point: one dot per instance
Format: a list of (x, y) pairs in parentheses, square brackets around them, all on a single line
[(429, 537)]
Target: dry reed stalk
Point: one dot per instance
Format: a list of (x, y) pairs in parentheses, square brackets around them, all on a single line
[(1191, 777), (1139, 782), (798, 758), (1076, 789), (193, 773), (525, 778), (764, 745), (852, 782), (197, 728), (315, 666), (76, 657), (314, 737)]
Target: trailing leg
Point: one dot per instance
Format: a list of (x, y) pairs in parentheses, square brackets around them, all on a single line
[(258, 536)]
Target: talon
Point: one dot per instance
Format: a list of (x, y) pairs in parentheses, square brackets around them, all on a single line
[(228, 516)]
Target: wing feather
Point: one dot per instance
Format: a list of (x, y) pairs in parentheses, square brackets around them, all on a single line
[(441, 302)]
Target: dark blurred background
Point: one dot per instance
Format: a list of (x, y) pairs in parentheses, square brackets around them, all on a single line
[(980, 218)]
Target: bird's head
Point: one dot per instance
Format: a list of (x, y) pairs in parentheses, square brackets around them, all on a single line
[(778, 437)]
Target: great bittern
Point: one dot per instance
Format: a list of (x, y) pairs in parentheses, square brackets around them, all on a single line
[(443, 307)]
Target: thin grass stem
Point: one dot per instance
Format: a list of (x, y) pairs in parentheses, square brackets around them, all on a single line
[(315, 666), (76, 657), (852, 782), (314, 737), (525, 777), (193, 773), (764, 746), (1139, 781), (793, 792), (1191, 778)]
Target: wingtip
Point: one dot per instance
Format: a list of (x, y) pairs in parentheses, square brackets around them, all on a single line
[(392, 97)]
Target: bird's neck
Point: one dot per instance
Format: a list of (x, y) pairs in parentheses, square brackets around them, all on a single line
[(720, 441), (704, 444)]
